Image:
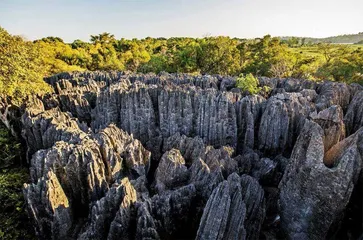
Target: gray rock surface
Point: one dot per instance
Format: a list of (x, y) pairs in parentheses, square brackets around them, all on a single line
[(331, 121), (171, 171), (249, 112), (332, 93), (354, 117), (49, 207), (282, 121), (254, 198), (118, 155), (312, 195), (224, 214)]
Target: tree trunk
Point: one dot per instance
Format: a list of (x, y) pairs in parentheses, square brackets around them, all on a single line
[(5, 113)]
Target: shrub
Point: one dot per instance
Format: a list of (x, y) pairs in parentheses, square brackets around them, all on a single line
[(14, 223), (248, 83), (9, 148)]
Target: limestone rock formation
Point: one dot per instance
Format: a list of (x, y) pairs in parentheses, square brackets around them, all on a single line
[(254, 198), (354, 117), (42, 129), (112, 213), (224, 214), (122, 153), (49, 207), (331, 121), (249, 112), (332, 93), (282, 121), (171, 171), (314, 196), (118, 155), (191, 148)]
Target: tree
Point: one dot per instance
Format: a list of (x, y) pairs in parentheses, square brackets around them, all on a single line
[(60, 57), (103, 38), (50, 40), (293, 42), (186, 59), (79, 44), (345, 68), (269, 57), (21, 74), (218, 55), (330, 51)]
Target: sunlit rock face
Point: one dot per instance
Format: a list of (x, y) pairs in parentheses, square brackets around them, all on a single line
[(174, 156)]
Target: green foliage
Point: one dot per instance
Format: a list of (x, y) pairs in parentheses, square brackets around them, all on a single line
[(21, 68), (50, 40), (218, 55), (157, 64), (103, 38), (248, 83), (267, 56), (346, 68), (14, 222), (9, 148)]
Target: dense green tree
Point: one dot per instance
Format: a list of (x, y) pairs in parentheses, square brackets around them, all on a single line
[(59, 57), (103, 38), (218, 55), (80, 44), (347, 68), (186, 59), (50, 40), (21, 73), (269, 57)]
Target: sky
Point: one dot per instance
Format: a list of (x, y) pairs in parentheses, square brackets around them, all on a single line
[(72, 19)]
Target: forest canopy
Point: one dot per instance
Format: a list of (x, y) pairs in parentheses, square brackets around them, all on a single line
[(23, 63), (267, 56)]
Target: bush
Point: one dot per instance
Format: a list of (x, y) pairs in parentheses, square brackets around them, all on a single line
[(14, 223), (9, 148), (248, 83)]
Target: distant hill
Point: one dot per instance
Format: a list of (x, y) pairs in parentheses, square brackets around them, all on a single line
[(347, 39)]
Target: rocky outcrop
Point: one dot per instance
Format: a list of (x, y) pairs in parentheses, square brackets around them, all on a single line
[(354, 117), (49, 207), (235, 210), (224, 214), (115, 205), (254, 198), (205, 178), (171, 171), (287, 84), (314, 196), (122, 153), (191, 148), (332, 93), (282, 121), (42, 129), (121, 224), (84, 171), (116, 155), (331, 121), (249, 111)]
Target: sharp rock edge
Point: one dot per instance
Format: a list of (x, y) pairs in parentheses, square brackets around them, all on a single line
[(143, 156)]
